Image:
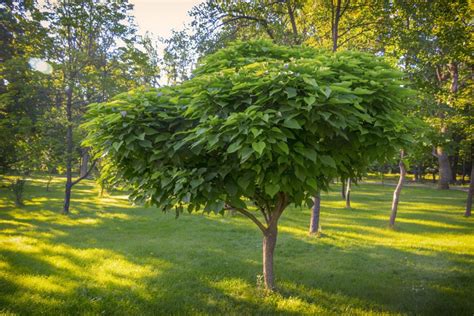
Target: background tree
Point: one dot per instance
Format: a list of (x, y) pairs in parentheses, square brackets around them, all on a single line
[(84, 36), (431, 41)]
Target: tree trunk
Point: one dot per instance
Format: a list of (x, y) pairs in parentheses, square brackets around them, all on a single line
[(50, 178), (336, 15), (315, 212), (84, 162), (291, 14), (470, 192), (269, 243), (69, 149), (444, 169), (343, 189), (396, 193), (463, 179), (348, 193), (454, 168)]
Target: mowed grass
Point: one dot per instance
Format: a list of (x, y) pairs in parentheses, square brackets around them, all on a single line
[(109, 257)]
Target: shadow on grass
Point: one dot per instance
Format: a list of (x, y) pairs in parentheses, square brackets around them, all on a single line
[(111, 258)]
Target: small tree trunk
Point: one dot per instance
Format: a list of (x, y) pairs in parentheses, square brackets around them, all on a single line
[(269, 243), (315, 214), (343, 189), (84, 162), (50, 178), (396, 193), (348, 193), (269, 240), (470, 193), (69, 149), (463, 180), (454, 168)]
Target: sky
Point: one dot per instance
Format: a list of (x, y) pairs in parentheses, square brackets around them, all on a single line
[(161, 16)]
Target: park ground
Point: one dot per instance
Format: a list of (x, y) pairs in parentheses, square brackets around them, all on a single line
[(109, 257)]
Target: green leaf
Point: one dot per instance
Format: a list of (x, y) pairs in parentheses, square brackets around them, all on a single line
[(291, 92), (245, 153), (284, 147), (145, 143), (328, 161), (234, 147), (362, 91), (310, 154), (256, 132), (300, 173), (327, 92), (117, 145), (310, 100), (312, 183), (271, 189), (291, 123), (196, 182), (259, 147), (243, 182), (310, 81)]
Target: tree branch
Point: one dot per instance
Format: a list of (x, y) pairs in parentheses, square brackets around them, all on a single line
[(249, 215), (85, 175), (264, 215), (292, 20), (252, 18), (351, 37)]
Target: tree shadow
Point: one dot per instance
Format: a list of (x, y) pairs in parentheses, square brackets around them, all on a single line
[(116, 259)]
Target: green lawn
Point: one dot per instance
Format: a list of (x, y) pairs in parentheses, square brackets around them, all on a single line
[(109, 257)]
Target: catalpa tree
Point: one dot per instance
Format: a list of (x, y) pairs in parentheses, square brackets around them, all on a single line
[(257, 128)]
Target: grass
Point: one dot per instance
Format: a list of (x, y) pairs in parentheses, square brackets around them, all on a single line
[(109, 257)]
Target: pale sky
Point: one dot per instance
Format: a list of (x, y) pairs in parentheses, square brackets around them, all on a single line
[(161, 16)]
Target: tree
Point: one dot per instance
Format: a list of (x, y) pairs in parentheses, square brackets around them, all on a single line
[(431, 41), (83, 35), (258, 127), (398, 190), (343, 23), (24, 93), (216, 23)]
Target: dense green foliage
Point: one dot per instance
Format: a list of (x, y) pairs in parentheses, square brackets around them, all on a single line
[(111, 258), (255, 120), (48, 48)]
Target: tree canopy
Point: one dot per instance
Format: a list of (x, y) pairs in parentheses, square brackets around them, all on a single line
[(255, 120)]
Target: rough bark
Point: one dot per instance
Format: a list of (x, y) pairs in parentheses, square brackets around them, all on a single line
[(348, 193), (269, 243), (396, 193), (315, 212), (444, 169), (470, 193)]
